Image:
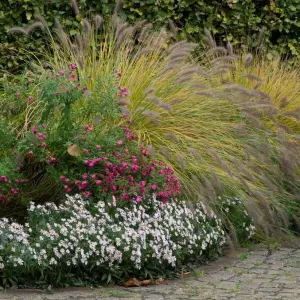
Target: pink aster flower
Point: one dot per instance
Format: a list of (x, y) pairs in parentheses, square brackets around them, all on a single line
[(34, 130), (154, 187)]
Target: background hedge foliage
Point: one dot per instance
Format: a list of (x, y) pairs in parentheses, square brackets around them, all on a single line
[(240, 21)]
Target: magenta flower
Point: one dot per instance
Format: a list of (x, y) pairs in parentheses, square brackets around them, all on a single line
[(62, 177), (125, 196), (85, 151), (120, 143), (138, 199), (134, 168), (154, 187), (98, 147), (98, 182), (30, 153), (34, 130), (43, 145), (86, 194)]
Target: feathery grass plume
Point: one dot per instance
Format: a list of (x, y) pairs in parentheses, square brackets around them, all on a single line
[(151, 114), (218, 71), (293, 114), (173, 29), (183, 79), (229, 48), (177, 45), (238, 88), (180, 55), (125, 110), (151, 150), (140, 108), (283, 102), (165, 152), (224, 66), (205, 93), (208, 39), (75, 8), (198, 85), (18, 30), (171, 136), (74, 49), (153, 99), (145, 51), (145, 32), (188, 71), (248, 60), (253, 77), (57, 25), (120, 30), (260, 94), (227, 58), (176, 101), (35, 26), (154, 121), (139, 24), (217, 49), (123, 37), (149, 91), (165, 106), (86, 26), (115, 21), (118, 7), (260, 37), (195, 153), (123, 102), (98, 20), (181, 161)]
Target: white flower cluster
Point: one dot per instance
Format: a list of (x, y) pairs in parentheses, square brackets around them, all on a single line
[(78, 233), (230, 203)]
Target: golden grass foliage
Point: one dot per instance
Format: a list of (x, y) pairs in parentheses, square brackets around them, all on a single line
[(227, 125)]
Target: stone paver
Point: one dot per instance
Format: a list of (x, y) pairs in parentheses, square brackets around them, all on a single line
[(254, 275)]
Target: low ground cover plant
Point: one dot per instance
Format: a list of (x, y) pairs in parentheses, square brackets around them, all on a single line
[(77, 240)]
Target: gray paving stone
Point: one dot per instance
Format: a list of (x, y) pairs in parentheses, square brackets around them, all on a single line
[(259, 276)]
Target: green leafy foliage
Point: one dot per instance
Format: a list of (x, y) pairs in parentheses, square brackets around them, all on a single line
[(274, 24)]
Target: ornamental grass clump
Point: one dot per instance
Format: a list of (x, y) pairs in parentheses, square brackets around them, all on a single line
[(220, 134), (77, 241)]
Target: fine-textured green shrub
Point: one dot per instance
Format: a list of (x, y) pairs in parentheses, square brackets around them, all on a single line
[(273, 23)]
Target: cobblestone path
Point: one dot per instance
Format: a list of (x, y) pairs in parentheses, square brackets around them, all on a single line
[(241, 275)]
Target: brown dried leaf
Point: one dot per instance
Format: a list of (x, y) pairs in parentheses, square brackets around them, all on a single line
[(74, 150), (132, 282)]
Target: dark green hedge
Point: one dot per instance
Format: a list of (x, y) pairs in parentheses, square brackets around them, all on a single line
[(240, 21)]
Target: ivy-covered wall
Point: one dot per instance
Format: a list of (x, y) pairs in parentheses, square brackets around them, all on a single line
[(239, 21)]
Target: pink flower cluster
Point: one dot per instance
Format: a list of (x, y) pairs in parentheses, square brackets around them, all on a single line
[(121, 172), (9, 189)]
